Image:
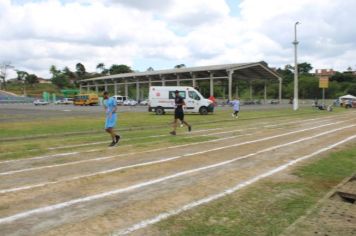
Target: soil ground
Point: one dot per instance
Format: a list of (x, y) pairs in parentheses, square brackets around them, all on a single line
[(107, 191)]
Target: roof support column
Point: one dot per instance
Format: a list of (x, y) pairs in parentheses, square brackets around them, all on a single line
[(230, 72), (163, 80), (115, 88), (250, 90), (280, 91), (137, 90), (80, 88), (265, 93), (211, 84), (126, 89), (106, 86), (88, 88), (194, 81), (237, 89), (149, 82), (178, 80), (96, 88)]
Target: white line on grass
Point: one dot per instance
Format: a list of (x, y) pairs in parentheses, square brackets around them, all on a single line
[(154, 136), (198, 131), (209, 150), (26, 187), (163, 216), (25, 214)]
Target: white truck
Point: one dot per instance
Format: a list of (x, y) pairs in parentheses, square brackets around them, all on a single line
[(161, 99), (120, 99)]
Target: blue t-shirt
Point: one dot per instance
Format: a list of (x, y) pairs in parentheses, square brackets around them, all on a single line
[(236, 105), (110, 105)]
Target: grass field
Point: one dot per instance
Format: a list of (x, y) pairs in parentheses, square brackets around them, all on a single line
[(266, 207), (270, 206), (47, 132)]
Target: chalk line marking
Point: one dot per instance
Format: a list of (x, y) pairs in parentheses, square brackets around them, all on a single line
[(154, 136), (209, 150), (100, 149), (26, 187), (163, 216), (25, 214)]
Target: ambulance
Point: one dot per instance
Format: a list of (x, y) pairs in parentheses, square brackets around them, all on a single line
[(161, 100)]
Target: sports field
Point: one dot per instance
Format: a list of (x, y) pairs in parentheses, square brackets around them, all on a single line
[(247, 176)]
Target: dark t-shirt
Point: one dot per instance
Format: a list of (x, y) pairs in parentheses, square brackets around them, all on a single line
[(179, 101)]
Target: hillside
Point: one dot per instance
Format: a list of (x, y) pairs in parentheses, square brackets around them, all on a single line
[(33, 91)]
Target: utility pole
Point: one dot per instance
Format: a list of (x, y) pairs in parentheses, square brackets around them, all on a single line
[(295, 100), (3, 70)]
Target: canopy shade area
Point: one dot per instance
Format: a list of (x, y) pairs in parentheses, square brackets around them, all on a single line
[(348, 96), (226, 72)]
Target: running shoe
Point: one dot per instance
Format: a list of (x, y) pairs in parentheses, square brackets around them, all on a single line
[(117, 139), (173, 133), (112, 144)]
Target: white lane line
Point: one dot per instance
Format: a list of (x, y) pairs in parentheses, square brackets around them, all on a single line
[(25, 214), (26, 187), (100, 149), (165, 215), (154, 136), (198, 131), (209, 150), (2, 191), (129, 139)]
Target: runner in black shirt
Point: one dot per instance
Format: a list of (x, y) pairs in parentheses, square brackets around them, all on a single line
[(179, 113)]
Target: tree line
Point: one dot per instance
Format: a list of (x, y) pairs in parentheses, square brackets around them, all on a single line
[(341, 83)]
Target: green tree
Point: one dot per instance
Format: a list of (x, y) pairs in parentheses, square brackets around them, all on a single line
[(103, 70), (179, 66), (304, 68), (343, 77), (21, 75), (54, 71), (308, 87), (32, 79), (80, 71), (119, 69), (58, 78)]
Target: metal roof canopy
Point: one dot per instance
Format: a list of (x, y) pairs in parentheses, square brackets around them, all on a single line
[(229, 72), (246, 71)]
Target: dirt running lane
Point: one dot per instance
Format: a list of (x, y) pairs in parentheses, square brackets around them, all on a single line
[(85, 198)]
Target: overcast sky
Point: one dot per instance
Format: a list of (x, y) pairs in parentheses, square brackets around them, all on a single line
[(163, 33)]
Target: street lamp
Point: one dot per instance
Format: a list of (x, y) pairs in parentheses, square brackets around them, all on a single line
[(295, 101)]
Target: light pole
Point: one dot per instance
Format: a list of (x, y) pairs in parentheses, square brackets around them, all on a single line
[(295, 100)]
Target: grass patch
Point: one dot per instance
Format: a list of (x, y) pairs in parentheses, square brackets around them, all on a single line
[(268, 207), (43, 133), (134, 120)]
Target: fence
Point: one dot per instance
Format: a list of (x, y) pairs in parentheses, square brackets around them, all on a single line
[(12, 99)]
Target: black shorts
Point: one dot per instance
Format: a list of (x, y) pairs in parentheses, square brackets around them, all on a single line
[(179, 115)]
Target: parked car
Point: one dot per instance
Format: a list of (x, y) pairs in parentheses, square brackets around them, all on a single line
[(144, 102), (130, 102), (64, 101), (120, 99), (40, 102)]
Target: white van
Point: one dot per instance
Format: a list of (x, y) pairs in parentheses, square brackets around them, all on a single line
[(161, 99), (120, 99)]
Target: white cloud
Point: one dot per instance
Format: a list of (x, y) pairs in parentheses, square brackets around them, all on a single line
[(37, 34)]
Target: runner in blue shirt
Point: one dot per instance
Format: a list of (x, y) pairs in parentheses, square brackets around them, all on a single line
[(110, 105), (236, 107)]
